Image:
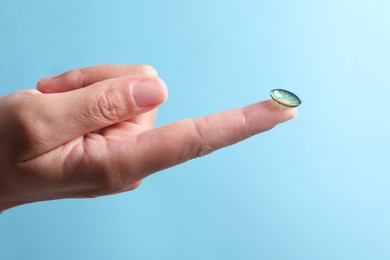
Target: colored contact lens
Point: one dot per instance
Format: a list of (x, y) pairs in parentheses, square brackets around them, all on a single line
[(285, 98)]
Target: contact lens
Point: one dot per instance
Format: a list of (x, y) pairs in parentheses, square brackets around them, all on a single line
[(285, 98)]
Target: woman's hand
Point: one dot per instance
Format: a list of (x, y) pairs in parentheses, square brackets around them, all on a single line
[(89, 132)]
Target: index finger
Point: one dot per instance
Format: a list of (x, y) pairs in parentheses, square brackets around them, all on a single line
[(181, 141)]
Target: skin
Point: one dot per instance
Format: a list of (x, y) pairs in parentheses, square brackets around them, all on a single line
[(90, 132)]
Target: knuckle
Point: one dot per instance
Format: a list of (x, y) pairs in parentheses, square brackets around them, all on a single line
[(106, 105), (202, 146), (76, 76), (87, 75)]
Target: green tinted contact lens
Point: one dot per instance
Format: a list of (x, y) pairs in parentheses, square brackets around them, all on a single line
[(285, 98)]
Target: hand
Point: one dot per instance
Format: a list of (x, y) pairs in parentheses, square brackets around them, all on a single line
[(89, 132)]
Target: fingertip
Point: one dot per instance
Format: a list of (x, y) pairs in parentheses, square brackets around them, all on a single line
[(293, 112), (164, 90), (145, 69), (283, 113), (289, 113), (43, 82), (286, 114)]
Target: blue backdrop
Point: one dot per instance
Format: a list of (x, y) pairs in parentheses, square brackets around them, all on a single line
[(317, 187)]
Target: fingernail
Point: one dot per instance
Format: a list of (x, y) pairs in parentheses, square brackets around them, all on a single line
[(149, 92)]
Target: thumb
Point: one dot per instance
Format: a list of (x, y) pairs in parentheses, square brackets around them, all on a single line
[(59, 118)]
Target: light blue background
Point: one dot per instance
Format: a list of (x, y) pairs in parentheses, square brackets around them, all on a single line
[(317, 187)]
